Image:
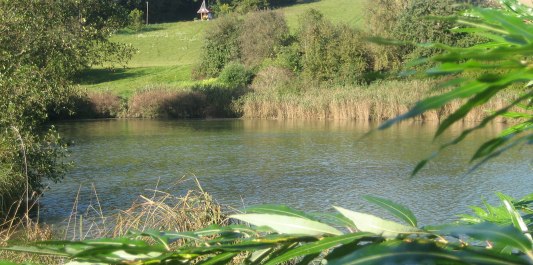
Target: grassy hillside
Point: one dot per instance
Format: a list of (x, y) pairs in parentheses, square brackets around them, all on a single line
[(167, 52), (338, 11)]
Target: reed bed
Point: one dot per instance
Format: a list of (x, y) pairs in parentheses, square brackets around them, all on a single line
[(380, 101), (165, 212), (160, 210)]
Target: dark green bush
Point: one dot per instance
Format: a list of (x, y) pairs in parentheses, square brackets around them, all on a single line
[(221, 46), (289, 57), (239, 6), (136, 20), (250, 40), (245, 6), (235, 75)]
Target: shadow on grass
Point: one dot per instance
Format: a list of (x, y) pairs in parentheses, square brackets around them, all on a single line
[(145, 29), (292, 3), (97, 76)]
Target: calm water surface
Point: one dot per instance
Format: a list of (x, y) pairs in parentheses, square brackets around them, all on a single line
[(310, 165)]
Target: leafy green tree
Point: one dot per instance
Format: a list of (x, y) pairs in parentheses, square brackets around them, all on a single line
[(43, 45), (221, 46), (136, 21)]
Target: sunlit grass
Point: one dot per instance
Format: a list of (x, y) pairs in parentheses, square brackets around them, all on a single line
[(125, 82), (166, 53), (337, 11)]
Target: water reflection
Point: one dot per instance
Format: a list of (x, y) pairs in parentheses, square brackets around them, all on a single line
[(310, 165)]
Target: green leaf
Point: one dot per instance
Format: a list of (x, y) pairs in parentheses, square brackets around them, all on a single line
[(335, 219), (413, 253), (306, 260), (288, 224), (513, 24), (5, 262), (489, 147), (480, 98), (36, 250), (395, 209), (376, 225), (318, 247), (223, 258), (257, 256), (464, 91), (498, 235), (518, 222), (278, 209)]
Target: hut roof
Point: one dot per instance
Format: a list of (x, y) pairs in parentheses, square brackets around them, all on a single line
[(203, 9)]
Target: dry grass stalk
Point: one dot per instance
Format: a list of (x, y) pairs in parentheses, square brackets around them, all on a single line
[(105, 104), (23, 230), (163, 211)]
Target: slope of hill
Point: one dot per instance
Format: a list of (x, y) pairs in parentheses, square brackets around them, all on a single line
[(167, 52)]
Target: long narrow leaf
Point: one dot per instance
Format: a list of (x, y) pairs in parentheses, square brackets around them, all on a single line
[(278, 209), (503, 235), (288, 224), (318, 247), (369, 223), (395, 209)]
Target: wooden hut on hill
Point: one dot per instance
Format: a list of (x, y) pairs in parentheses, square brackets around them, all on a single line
[(205, 14)]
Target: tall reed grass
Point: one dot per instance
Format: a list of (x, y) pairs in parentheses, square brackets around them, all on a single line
[(160, 211), (379, 101)]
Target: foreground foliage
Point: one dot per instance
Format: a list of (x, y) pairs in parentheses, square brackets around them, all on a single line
[(483, 71), (498, 235)]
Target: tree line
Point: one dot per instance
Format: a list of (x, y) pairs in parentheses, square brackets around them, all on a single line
[(320, 52)]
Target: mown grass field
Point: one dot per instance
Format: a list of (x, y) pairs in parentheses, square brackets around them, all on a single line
[(166, 53)]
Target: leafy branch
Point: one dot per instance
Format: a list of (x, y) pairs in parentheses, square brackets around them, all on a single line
[(503, 61)]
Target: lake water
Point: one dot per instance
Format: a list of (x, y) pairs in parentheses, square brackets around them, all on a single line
[(309, 165)]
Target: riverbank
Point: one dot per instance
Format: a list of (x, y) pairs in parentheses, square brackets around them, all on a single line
[(376, 102)]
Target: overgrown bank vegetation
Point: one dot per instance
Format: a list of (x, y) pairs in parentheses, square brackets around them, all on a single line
[(269, 65)]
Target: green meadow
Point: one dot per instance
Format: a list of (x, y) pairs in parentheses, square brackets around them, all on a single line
[(166, 53)]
